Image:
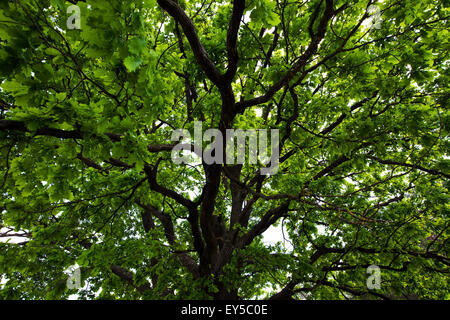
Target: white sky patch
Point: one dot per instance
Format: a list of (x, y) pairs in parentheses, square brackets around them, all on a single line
[(246, 16), (274, 235), (11, 239)]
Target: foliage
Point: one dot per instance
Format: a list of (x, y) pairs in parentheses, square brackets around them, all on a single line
[(87, 178)]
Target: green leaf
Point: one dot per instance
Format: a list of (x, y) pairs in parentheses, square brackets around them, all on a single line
[(15, 87), (136, 45), (132, 63), (52, 51)]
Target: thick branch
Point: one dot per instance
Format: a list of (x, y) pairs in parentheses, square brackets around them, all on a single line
[(233, 30), (199, 51), (14, 125), (128, 277), (266, 221), (191, 206)]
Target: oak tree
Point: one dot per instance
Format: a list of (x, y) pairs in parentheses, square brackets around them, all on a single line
[(357, 89)]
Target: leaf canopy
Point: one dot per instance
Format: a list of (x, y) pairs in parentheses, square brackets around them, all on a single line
[(86, 174)]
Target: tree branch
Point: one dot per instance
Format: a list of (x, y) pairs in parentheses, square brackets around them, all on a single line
[(302, 61), (199, 51), (128, 277), (266, 221), (232, 34)]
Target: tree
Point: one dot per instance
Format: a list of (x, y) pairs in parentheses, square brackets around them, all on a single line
[(357, 90)]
